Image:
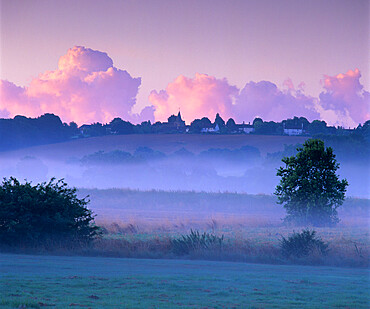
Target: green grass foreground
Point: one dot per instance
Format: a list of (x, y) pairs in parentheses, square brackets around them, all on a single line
[(37, 281)]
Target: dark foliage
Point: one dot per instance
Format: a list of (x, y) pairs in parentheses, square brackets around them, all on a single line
[(95, 129), (119, 126), (267, 128), (231, 125), (146, 153), (363, 130), (107, 158), (117, 157), (309, 187), (353, 147), (32, 215), (303, 244), (198, 124), (23, 132), (317, 127), (196, 241), (257, 120), (242, 154), (296, 122), (219, 121), (289, 150)]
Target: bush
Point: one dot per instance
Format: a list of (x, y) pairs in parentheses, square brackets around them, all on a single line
[(45, 213), (196, 241), (303, 244)]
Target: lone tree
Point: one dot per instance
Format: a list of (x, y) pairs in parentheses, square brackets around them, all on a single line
[(309, 186), (44, 214)]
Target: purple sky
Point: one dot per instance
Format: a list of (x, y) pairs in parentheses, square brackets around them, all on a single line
[(242, 41)]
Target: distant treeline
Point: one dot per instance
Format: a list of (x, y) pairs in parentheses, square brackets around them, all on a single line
[(145, 154), (22, 132), (346, 148)]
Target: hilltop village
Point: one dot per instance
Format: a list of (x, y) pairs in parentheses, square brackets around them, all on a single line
[(175, 124), (22, 132)]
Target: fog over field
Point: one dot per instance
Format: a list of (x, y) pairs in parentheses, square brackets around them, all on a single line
[(242, 164), (135, 165)]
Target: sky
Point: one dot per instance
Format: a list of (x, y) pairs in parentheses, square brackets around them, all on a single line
[(94, 60)]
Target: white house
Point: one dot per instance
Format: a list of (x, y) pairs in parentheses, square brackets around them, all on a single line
[(246, 128), (293, 130)]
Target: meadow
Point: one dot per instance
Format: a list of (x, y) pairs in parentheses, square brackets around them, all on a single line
[(143, 224), (181, 210), (59, 282)]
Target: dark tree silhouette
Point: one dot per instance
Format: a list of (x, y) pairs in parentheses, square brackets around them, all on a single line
[(231, 125), (46, 213), (219, 121), (309, 187)]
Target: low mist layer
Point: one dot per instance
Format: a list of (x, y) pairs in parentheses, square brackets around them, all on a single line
[(243, 164)]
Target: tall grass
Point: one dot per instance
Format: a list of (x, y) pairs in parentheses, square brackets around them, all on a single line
[(347, 247)]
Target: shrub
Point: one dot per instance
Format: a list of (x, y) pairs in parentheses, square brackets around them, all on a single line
[(196, 241), (45, 213), (302, 244)]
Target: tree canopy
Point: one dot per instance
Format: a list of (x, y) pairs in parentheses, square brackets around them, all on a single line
[(46, 213), (309, 187)]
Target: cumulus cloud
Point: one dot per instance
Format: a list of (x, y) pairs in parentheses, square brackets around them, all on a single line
[(205, 95), (344, 100), (201, 96), (85, 88), (266, 100), (14, 101)]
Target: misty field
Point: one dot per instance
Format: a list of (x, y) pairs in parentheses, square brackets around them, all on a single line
[(37, 281), (170, 162), (166, 143), (142, 224), (176, 210)]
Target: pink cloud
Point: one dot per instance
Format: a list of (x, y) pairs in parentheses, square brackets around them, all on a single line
[(344, 101), (201, 96), (14, 101), (288, 83), (266, 100), (85, 88), (205, 95)]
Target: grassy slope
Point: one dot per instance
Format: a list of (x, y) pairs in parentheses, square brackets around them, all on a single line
[(166, 143), (129, 283)]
